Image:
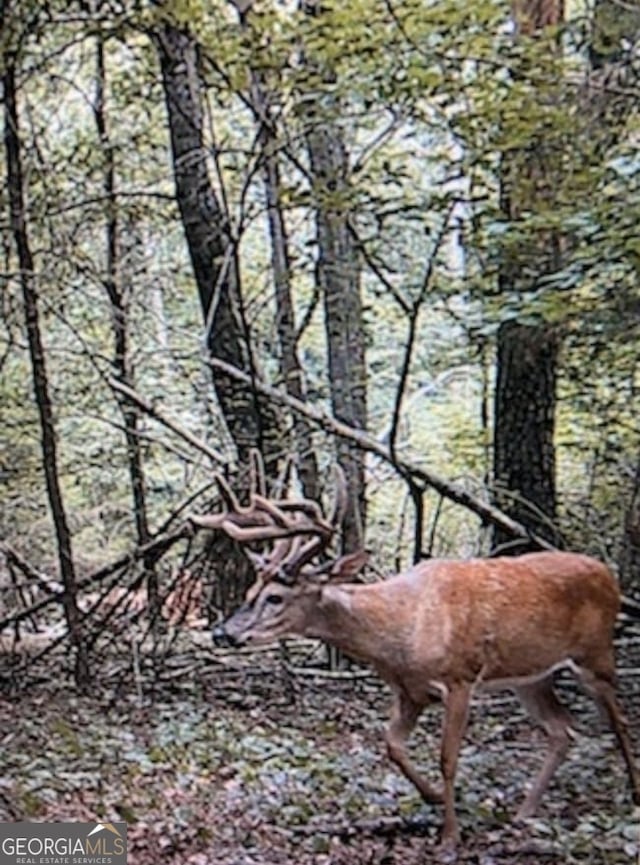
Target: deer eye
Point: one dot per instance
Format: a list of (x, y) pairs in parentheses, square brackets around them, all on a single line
[(274, 599)]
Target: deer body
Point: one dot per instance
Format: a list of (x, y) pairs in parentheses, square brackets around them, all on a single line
[(444, 628), (489, 621)]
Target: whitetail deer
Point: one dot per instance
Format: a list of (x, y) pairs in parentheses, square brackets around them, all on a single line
[(442, 628)]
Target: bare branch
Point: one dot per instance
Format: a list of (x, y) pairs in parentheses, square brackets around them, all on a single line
[(159, 415)]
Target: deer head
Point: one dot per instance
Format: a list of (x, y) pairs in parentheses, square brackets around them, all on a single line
[(288, 584)]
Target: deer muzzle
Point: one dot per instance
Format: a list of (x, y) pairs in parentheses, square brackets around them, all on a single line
[(222, 638)]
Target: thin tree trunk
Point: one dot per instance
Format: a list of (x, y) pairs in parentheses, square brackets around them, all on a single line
[(338, 275), (19, 228), (119, 300), (292, 373)]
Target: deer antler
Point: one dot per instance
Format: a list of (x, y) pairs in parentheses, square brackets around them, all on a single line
[(284, 521), (295, 561)]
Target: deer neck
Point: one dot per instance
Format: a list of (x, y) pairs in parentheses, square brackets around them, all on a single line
[(355, 619)]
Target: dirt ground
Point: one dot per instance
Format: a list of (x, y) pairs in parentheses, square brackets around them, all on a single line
[(247, 761)]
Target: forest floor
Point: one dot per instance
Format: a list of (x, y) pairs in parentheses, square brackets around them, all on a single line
[(243, 763)]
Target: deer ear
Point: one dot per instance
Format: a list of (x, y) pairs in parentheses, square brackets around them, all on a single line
[(347, 566)]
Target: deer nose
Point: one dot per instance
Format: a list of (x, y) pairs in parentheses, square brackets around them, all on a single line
[(222, 639)]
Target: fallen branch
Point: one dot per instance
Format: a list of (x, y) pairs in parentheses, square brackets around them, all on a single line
[(169, 422), (488, 513), (155, 548)]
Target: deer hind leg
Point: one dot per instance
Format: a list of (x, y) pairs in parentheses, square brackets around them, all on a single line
[(601, 686), (404, 716), (540, 701), (456, 714)]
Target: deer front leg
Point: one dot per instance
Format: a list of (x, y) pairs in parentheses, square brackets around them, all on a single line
[(456, 713), (404, 715)]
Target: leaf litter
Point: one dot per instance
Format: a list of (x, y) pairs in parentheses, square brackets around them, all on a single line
[(256, 780)]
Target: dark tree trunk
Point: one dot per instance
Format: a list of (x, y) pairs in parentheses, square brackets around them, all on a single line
[(630, 553), (252, 422), (524, 454), (17, 218), (524, 405)]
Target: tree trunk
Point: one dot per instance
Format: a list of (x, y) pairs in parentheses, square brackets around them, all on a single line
[(524, 403), (291, 371), (338, 275), (524, 454), (119, 300), (629, 560), (17, 218), (250, 420)]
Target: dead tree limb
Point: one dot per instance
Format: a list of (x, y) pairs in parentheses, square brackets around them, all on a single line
[(422, 476), (155, 548), (448, 490), (169, 422)]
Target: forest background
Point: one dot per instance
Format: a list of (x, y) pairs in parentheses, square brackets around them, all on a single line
[(403, 237), (400, 237)]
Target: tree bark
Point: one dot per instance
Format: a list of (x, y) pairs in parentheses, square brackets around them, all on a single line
[(338, 275), (251, 421), (524, 453), (18, 222), (524, 402)]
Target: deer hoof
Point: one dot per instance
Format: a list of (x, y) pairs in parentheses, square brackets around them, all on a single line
[(432, 796), (447, 852)]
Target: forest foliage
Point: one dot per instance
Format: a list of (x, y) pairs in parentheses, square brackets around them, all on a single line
[(435, 111)]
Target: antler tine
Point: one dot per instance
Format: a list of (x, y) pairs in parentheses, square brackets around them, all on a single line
[(295, 562), (208, 521), (272, 509), (228, 496), (281, 552), (248, 534), (242, 519), (341, 497), (283, 480), (257, 481), (306, 506), (294, 514)]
